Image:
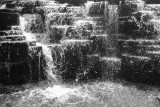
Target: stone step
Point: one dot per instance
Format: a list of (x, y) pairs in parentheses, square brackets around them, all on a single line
[(139, 41), (29, 70), (6, 10), (89, 25), (12, 5), (59, 32), (11, 32), (99, 32), (152, 7), (53, 9), (146, 29), (16, 27), (56, 33), (152, 47), (144, 15), (55, 3), (15, 51), (127, 8), (99, 28), (76, 10), (13, 38), (94, 18), (103, 45), (81, 46), (69, 56), (9, 19), (97, 8), (110, 67), (155, 55), (140, 69), (76, 64), (152, 2), (136, 47), (125, 18), (125, 27), (79, 32), (10, 28), (60, 19)]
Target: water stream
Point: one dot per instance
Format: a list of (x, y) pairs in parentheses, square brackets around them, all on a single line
[(69, 31)]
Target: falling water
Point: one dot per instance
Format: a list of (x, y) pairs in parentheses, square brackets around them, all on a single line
[(29, 36), (60, 94), (50, 68)]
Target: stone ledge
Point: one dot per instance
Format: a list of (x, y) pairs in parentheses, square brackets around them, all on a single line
[(13, 38), (140, 69), (15, 51), (29, 70)]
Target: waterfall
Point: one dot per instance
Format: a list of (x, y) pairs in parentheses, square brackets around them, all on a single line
[(49, 68)]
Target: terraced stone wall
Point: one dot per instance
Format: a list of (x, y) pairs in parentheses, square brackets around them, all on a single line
[(139, 41)]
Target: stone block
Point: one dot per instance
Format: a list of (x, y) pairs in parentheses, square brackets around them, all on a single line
[(152, 47), (37, 62), (90, 69), (8, 28), (98, 32), (76, 10), (9, 19), (140, 69), (97, 8), (54, 9), (30, 70), (110, 67), (5, 28), (124, 18), (81, 46), (70, 56), (103, 45), (12, 38), (11, 32), (56, 33), (144, 15), (14, 51), (12, 5), (135, 47), (152, 2), (14, 73), (60, 19), (125, 27), (72, 33), (129, 7), (155, 55)]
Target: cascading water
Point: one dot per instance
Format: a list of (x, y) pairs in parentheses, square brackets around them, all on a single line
[(50, 68), (69, 60)]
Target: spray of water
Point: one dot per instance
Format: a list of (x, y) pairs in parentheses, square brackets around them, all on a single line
[(50, 68), (29, 36), (46, 51)]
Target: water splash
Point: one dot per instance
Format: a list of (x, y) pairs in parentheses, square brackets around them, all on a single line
[(46, 51), (29, 36), (50, 68)]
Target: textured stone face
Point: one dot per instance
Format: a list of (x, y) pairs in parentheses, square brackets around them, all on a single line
[(14, 51), (152, 1), (9, 19), (19, 71), (140, 69)]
